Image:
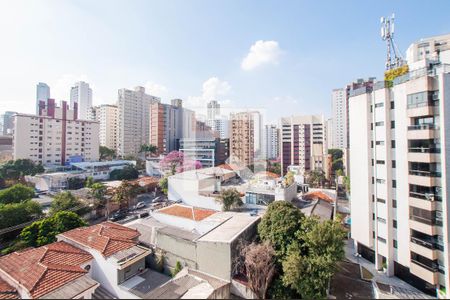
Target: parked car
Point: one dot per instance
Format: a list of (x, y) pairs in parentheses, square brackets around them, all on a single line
[(118, 215), (140, 205)]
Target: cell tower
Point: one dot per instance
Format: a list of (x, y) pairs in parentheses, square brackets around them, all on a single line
[(394, 58)]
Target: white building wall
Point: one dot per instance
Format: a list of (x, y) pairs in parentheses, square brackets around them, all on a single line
[(81, 93)]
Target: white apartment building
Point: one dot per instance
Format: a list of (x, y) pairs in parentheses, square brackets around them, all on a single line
[(81, 94), (133, 120), (107, 116), (212, 109), (271, 141), (399, 132), (303, 142), (339, 111), (55, 137), (221, 125), (42, 94), (330, 133)]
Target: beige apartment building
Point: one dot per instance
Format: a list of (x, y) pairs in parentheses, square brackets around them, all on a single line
[(107, 117), (242, 134), (303, 143), (399, 162), (133, 120), (55, 136)]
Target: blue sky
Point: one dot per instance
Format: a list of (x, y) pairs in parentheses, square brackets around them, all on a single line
[(195, 50)]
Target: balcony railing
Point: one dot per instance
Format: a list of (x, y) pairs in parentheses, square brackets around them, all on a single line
[(434, 268), (424, 150), (425, 196), (431, 222), (424, 173), (423, 127), (427, 244)]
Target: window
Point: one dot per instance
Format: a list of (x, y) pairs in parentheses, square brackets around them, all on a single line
[(392, 124), (418, 100), (379, 104), (394, 183), (371, 126), (394, 203), (372, 162), (380, 162), (383, 240), (392, 144), (373, 234), (373, 180), (373, 216), (394, 223), (371, 144), (381, 200), (392, 104), (381, 181), (394, 243), (393, 164), (380, 123), (380, 143), (381, 220)]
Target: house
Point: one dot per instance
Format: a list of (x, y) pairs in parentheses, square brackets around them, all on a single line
[(192, 284), (119, 262), (200, 188), (100, 170), (266, 187), (57, 270), (200, 239)]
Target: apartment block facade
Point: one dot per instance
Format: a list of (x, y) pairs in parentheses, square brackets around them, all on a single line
[(107, 117), (81, 94), (242, 135), (55, 136), (42, 94), (399, 169), (303, 142), (133, 120), (210, 152), (271, 141)]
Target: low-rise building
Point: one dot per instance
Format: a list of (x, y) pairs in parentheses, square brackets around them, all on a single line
[(266, 187)]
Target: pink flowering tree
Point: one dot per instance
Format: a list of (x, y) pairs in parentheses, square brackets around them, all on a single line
[(176, 162)]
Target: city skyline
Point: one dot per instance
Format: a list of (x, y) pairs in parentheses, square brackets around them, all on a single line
[(281, 62)]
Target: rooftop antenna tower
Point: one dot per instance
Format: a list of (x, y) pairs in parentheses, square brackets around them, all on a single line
[(394, 58)]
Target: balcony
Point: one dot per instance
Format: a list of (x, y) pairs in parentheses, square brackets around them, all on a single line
[(424, 155), (422, 132), (424, 178), (418, 111), (420, 201), (424, 228), (424, 248), (427, 273)]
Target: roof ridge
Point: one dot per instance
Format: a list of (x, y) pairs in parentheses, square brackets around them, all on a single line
[(67, 268), (106, 244), (33, 286)]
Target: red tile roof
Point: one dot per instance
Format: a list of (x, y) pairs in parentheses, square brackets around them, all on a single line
[(108, 238), (44, 269), (188, 212), (318, 195), (7, 291)]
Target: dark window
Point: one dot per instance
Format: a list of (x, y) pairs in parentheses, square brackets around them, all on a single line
[(393, 164), (373, 216), (372, 162), (381, 143), (392, 144), (383, 240), (381, 200), (392, 124), (395, 243), (373, 180), (394, 203), (371, 126), (381, 123), (380, 162), (371, 144), (394, 183), (379, 104), (392, 104), (394, 223)]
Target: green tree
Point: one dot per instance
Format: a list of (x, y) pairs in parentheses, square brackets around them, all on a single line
[(17, 213), (16, 169), (336, 160), (311, 262), (67, 201), (98, 192), (315, 178), (125, 193), (164, 185), (148, 148), (15, 194), (279, 225), (230, 198), (106, 153), (89, 182), (127, 173), (44, 232), (289, 178), (177, 269), (75, 183)]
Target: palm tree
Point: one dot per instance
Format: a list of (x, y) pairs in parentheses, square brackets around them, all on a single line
[(148, 148)]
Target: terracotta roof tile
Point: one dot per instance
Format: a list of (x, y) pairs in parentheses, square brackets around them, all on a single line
[(44, 269), (318, 195), (188, 212), (7, 291), (108, 238)]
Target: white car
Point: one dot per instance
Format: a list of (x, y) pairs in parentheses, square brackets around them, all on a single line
[(140, 205)]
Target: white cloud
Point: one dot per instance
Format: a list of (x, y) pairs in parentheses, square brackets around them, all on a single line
[(155, 89), (212, 89), (261, 53), (285, 100)]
